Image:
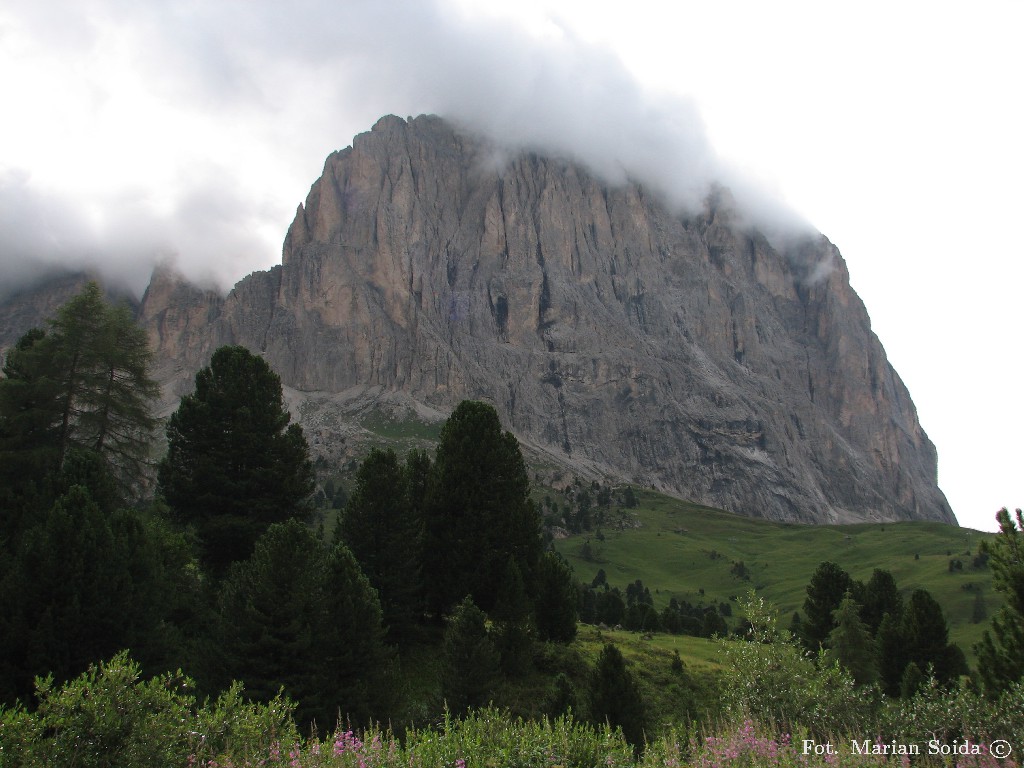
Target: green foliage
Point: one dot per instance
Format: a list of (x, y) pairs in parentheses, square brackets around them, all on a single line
[(880, 596), (471, 662), (302, 617), (479, 513), (615, 698), (234, 465), (109, 717), (1000, 661)]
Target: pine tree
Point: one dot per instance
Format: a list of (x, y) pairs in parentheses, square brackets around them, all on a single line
[(85, 580), (825, 592), (470, 660), (382, 530), (850, 643), (926, 637), (234, 464), (1000, 660), (479, 513), (303, 617), (556, 601), (881, 596), (615, 697)]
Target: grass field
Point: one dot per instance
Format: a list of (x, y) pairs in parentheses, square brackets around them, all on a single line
[(689, 552)]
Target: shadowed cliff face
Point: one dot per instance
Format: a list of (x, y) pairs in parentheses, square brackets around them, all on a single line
[(613, 335)]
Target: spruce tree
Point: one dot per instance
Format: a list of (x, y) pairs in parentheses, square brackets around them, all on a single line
[(614, 696), (85, 580), (470, 662), (234, 464), (556, 603), (1000, 660), (926, 637), (828, 585), (302, 616), (384, 533), (850, 643), (479, 513), (881, 596)]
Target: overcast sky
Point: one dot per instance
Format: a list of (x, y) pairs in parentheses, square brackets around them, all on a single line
[(191, 130)]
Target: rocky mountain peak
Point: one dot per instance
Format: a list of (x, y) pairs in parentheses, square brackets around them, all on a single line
[(616, 337)]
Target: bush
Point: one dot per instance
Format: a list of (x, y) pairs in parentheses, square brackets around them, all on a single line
[(769, 678), (109, 717)]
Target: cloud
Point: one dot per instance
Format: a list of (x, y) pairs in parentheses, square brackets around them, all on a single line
[(194, 129)]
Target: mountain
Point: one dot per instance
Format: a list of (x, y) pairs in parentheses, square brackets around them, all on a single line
[(615, 337)]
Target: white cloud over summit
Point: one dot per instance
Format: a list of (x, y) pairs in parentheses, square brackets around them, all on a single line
[(191, 130)]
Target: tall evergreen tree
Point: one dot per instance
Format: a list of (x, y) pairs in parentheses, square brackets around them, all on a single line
[(556, 603), (470, 660), (850, 643), (381, 529), (479, 513), (302, 616), (828, 585), (234, 464), (83, 385), (881, 596), (1000, 659), (511, 622), (926, 637), (85, 580), (615, 697), (891, 654)]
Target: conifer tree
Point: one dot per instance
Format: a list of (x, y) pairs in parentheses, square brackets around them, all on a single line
[(556, 604), (85, 580), (479, 513), (384, 533), (82, 385), (850, 643), (234, 464), (881, 596), (828, 585), (926, 637), (470, 660), (511, 622), (302, 616), (615, 697), (1000, 660)]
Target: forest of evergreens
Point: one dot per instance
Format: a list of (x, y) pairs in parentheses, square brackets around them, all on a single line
[(153, 590)]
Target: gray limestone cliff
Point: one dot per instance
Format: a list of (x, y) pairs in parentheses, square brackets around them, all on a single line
[(614, 336)]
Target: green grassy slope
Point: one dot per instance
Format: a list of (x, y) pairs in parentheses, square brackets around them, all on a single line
[(678, 549)]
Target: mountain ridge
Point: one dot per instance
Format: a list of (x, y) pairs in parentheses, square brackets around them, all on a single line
[(682, 351)]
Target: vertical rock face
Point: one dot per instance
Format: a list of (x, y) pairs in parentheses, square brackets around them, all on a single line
[(683, 352)]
